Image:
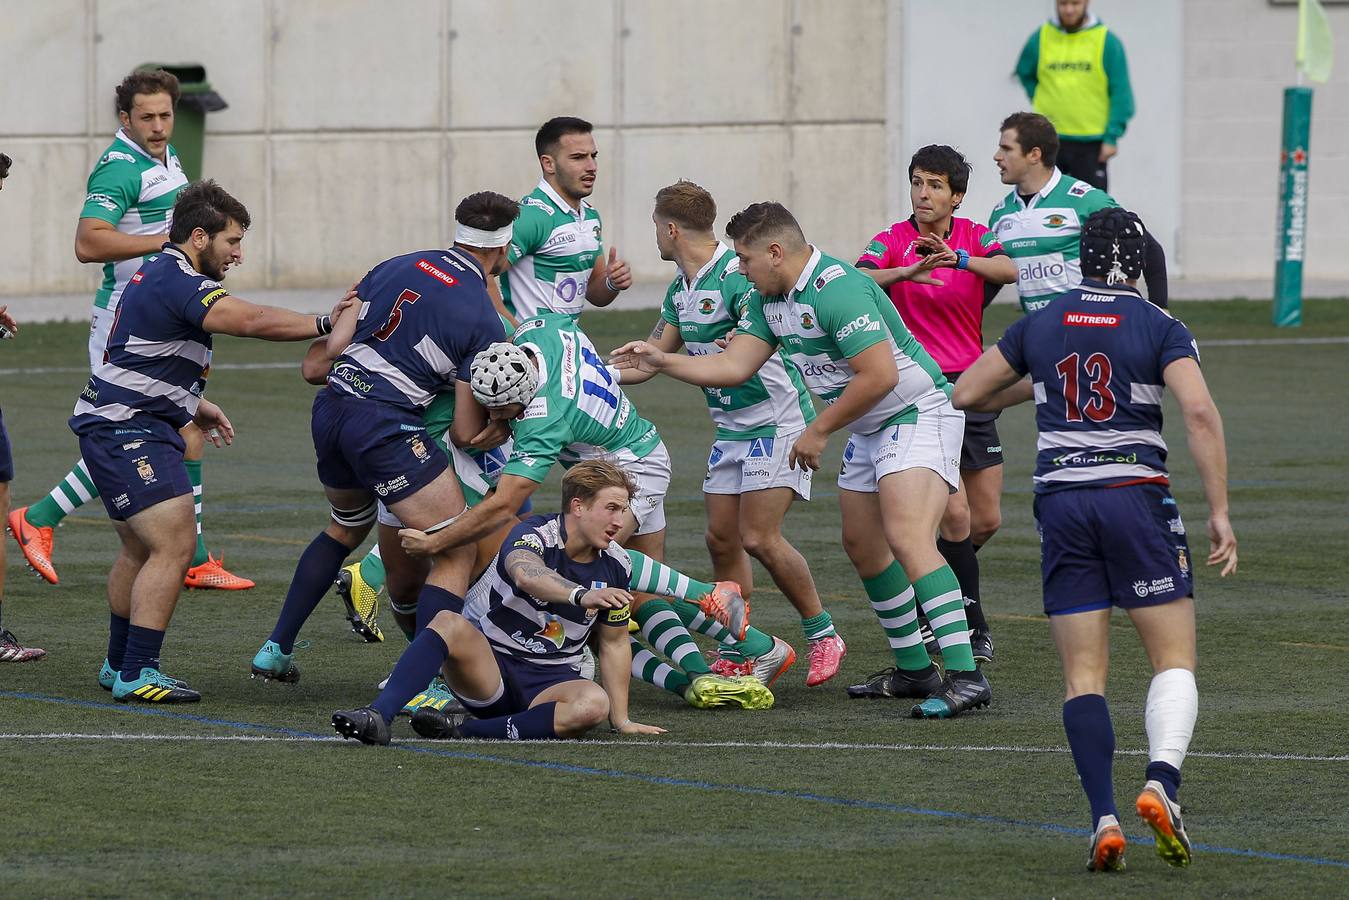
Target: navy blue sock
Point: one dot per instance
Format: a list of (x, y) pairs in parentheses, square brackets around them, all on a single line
[(142, 651), (534, 724), (1086, 719), (117, 627), (416, 667), (1168, 775), (314, 576), (431, 601)]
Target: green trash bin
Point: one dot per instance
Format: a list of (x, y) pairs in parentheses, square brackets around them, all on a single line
[(189, 119)]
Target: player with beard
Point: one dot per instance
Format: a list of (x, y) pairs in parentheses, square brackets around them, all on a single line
[(125, 219), (556, 261), (147, 388)]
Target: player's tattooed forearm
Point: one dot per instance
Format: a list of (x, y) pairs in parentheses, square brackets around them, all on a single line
[(658, 330), (524, 566)]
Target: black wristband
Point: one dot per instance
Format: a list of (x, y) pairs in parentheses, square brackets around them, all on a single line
[(323, 324), (577, 593)]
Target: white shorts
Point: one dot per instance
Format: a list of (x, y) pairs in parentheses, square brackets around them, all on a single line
[(652, 474), (100, 323), (933, 442), (757, 464)]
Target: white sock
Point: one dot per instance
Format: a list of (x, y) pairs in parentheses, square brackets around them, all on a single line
[(1173, 705)]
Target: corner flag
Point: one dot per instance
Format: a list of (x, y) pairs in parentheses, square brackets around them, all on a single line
[(1315, 43)]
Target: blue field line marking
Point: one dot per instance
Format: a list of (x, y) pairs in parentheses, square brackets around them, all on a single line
[(667, 781)]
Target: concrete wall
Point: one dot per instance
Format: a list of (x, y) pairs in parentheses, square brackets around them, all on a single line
[(354, 127)]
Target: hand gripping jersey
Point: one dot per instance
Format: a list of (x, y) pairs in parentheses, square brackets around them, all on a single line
[(835, 312), (1095, 357), (580, 411), (947, 318), (552, 252), (1044, 236), (705, 309), (157, 354), (424, 316), (550, 634), (135, 192)]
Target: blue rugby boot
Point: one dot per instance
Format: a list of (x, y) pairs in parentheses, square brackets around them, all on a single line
[(152, 686), (270, 664)]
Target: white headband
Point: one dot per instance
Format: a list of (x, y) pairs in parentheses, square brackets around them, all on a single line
[(477, 237)]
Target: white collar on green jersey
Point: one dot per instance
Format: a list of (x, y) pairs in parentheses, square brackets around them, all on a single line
[(561, 204), (717, 255), (125, 138), (1052, 183), (808, 271)]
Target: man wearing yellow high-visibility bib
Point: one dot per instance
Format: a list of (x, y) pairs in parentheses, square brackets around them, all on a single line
[(1074, 71)]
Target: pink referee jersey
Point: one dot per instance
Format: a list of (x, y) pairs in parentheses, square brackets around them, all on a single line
[(947, 319)]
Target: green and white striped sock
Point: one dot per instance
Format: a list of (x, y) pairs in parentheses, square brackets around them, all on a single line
[(652, 577), (70, 493), (892, 600), (648, 667), (667, 635), (944, 605)]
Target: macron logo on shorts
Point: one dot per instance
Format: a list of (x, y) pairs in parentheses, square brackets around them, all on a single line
[(436, 273), (1092, 320)]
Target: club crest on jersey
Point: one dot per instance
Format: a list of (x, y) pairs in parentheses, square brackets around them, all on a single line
[(144, 469), (807, 320), (1055, 220), (1183, 560), (419, 449), (705, 306)]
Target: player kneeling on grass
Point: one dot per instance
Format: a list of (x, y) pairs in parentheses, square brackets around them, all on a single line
[(559, 582), (1098, 358)]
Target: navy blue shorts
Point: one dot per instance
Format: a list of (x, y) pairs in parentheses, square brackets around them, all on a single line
[(1102, 547), (521, 681), (135, 464), (6, 457), (365, 444)]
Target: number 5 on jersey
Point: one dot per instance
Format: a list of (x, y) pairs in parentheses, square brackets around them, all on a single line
[(396, 316)]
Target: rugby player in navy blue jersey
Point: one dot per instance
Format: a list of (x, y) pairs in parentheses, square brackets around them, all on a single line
[(148, 386), (1099, 357), (558, 583), (421, 319)]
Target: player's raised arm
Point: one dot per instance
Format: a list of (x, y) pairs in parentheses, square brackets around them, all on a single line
[(742, 358), (1204, 431), (239, 317)]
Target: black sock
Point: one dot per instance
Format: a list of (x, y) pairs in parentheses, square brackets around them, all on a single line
[(960, 557)]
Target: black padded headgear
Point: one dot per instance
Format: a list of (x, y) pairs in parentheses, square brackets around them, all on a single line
[(1113, 243)]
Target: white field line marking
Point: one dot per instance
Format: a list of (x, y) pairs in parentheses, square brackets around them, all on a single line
[(653, 744)]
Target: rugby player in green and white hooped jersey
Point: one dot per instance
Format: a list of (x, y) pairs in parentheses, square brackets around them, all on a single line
[(902, 459), (580, 412), (556, 257), (125, 219), (749, 486), (1039, 223)]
